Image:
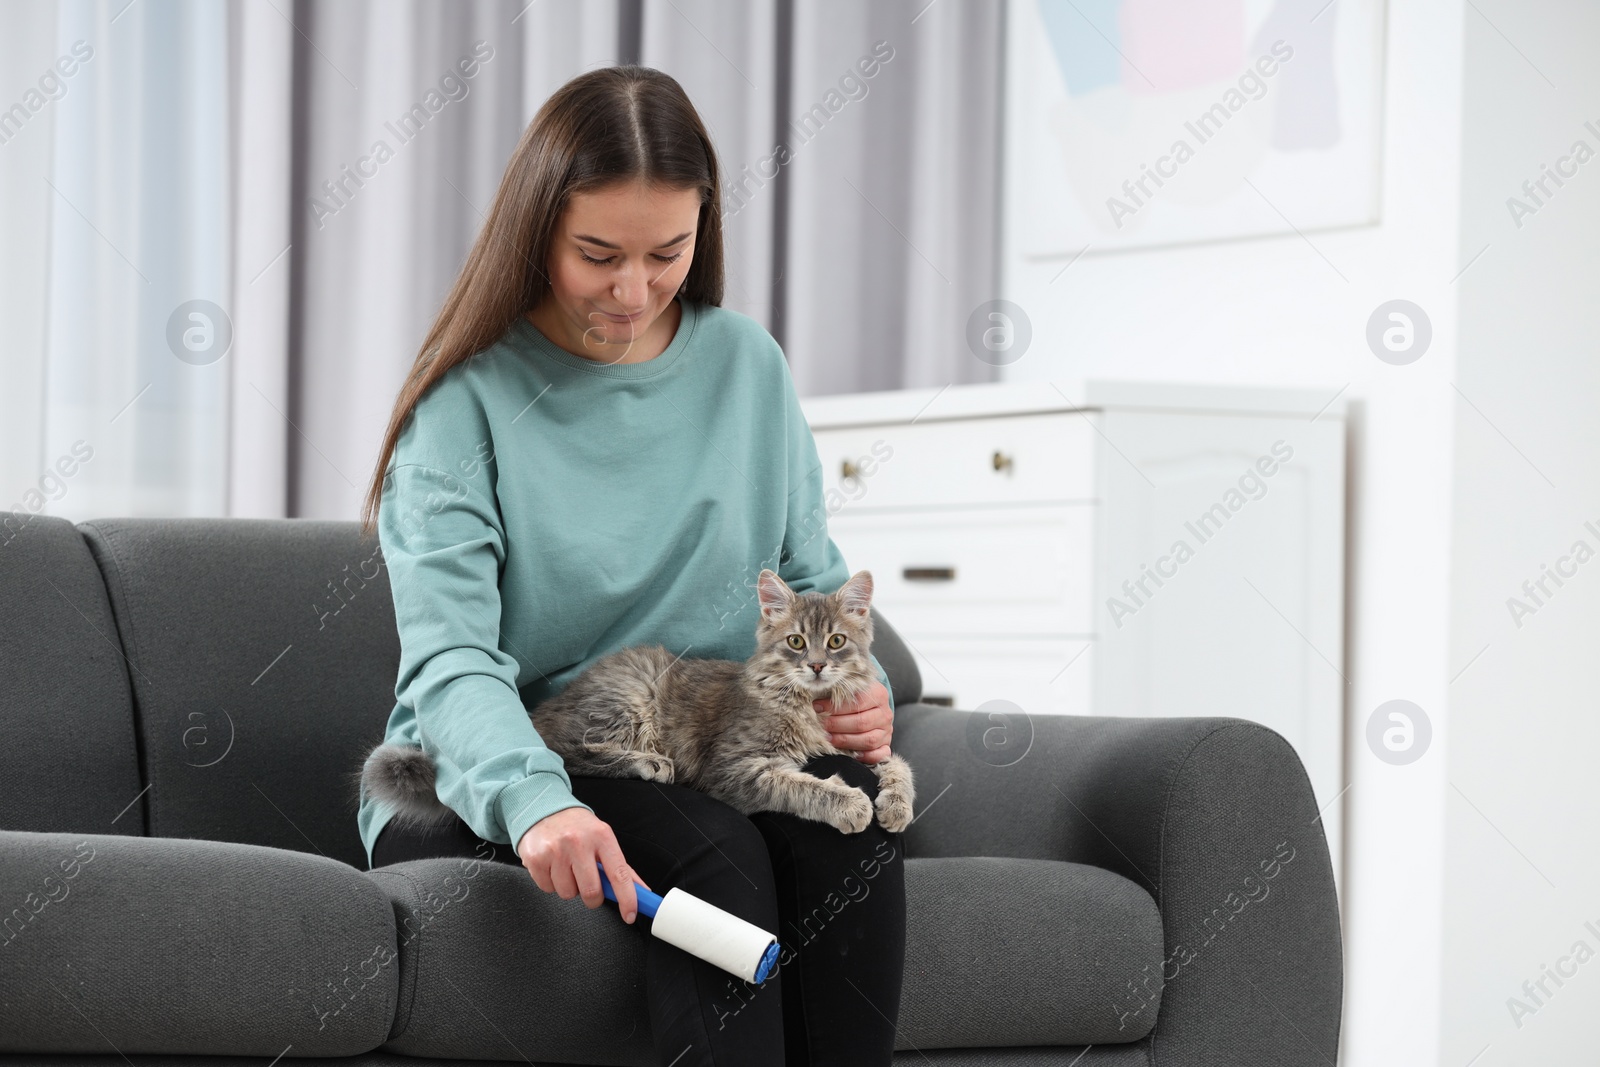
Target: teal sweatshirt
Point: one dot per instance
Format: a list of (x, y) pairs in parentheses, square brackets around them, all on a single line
[(542, 510)]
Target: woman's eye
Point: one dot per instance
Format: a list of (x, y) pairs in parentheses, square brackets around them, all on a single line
[(836, 641), (602, 262), (797, 642)]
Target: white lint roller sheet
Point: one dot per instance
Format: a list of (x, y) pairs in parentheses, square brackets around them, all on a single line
[(705, 930), (714, 935)]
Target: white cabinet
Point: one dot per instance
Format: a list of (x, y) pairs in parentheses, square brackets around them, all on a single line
[(1139, 549), (957, 571)]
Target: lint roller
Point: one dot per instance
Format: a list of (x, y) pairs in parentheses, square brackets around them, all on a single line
[(705, 930)]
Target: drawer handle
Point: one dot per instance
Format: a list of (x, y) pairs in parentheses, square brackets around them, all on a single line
[(1001, 461), (929, 574), (848, 470)]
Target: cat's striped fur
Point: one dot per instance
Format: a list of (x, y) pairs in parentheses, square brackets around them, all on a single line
[(738, 731)]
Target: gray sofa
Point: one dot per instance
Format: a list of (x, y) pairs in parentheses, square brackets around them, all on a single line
[(181, 703)]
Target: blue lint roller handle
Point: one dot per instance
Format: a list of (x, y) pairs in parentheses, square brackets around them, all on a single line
[(705, 930)]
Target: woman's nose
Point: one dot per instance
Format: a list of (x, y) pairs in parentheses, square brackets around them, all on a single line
[(631, 289)]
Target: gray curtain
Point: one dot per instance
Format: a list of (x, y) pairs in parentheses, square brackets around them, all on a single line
[(371, 261), (251, 156), (864, 255), (726, 58), (893, 215)]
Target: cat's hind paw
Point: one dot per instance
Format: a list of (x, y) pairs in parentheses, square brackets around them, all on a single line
[(655, 768), (894, 811)]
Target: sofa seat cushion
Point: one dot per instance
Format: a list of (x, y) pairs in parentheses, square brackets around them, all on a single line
[(1004, 951), (998, 952), (170, 945)]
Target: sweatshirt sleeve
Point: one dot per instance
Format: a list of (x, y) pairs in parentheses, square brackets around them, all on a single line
[(810, 561), (444, 546)]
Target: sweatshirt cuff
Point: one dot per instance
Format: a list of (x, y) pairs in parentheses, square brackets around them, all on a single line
[(521, 804)]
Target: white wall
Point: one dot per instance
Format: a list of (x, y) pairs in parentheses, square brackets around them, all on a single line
[(1275, 311), (1521, 870)]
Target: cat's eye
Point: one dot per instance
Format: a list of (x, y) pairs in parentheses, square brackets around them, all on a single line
[(797, 642), (836, 640)]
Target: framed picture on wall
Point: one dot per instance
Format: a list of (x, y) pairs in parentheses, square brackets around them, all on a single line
[(1137, 123)]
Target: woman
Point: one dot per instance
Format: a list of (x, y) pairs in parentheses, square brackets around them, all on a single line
[(591, 453)]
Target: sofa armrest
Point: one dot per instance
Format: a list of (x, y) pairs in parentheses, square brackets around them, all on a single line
[(1215, 817), (179, 946)]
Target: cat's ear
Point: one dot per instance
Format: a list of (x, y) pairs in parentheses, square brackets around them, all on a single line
[(774, 595), (855, 596)]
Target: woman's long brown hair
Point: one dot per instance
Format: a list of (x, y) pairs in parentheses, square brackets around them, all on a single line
[(612, 124)]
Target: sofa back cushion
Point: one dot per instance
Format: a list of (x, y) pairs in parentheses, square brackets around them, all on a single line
[(263, 656), (905, 677), (66, 716)]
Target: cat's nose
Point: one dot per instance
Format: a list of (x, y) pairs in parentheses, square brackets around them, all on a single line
[(816, 668)]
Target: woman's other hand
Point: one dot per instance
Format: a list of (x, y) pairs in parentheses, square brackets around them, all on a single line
[(560, 851), (863, 729)]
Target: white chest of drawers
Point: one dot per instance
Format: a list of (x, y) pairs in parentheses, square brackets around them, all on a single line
[(1103, 547)]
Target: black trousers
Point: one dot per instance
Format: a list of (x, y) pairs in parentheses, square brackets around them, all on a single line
[(835, 901)]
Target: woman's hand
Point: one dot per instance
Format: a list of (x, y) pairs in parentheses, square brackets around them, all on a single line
[(865, 728), (560, 851)]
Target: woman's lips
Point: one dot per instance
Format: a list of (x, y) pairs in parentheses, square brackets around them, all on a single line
[(622, 318)]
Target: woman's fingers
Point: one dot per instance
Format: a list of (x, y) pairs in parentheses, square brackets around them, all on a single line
[(588, 878), (561, 880), (637, 877), (537, 870), (867, 741), (622, 878), (855, 722)]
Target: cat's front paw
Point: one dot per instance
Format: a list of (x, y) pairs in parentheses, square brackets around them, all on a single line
[(657, 769), (853, 813), (894, 810)]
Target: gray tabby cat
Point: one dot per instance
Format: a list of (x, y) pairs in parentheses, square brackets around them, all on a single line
[(738, 731)]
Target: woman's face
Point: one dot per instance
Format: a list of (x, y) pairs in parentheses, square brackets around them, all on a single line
[(616, 261)]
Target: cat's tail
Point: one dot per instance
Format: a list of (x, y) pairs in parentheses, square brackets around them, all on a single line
[(402, 776)]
